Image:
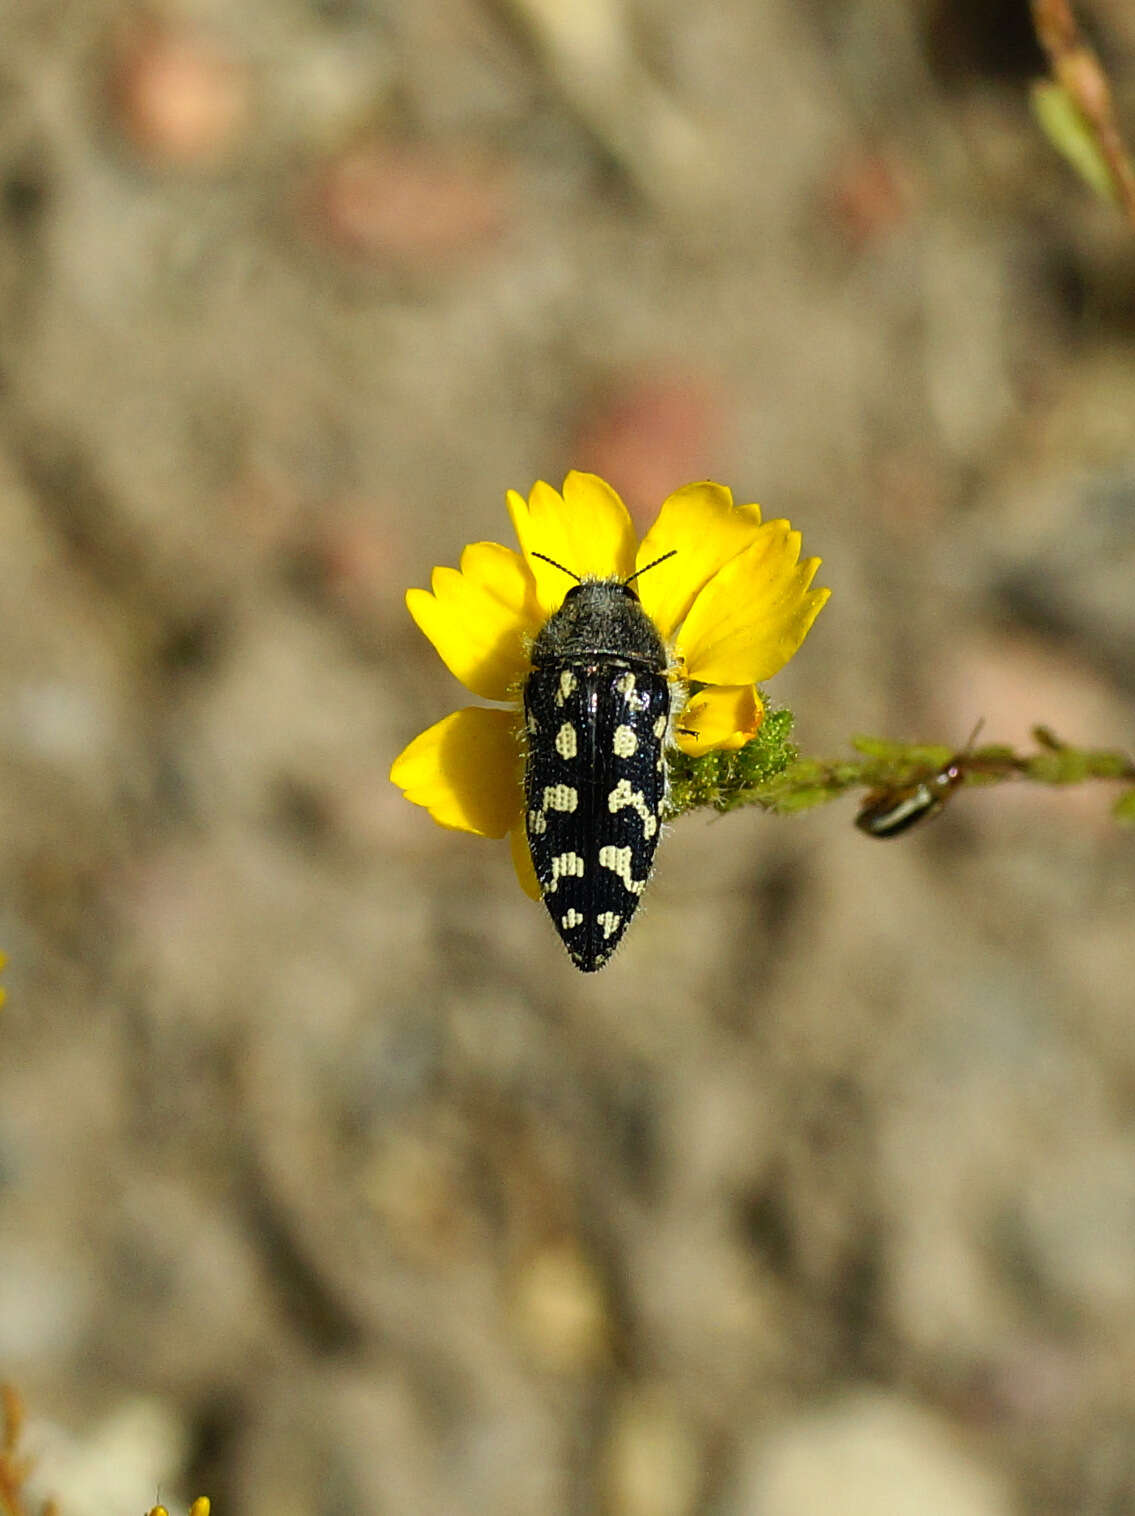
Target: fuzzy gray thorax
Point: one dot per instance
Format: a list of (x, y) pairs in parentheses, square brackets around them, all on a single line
[(600, 618)]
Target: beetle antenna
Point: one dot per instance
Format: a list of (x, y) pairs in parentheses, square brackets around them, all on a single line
[(559, 566), (974, 735), (655, 564)]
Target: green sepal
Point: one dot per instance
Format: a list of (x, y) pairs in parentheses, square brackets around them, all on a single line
[(727, 780)]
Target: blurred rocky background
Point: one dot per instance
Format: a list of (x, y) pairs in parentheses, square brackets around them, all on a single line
[(327, 1186)]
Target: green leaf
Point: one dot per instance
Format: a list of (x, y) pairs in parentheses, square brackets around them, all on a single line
[(1065, 126)]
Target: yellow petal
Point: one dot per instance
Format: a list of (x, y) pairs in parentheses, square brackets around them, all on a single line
[(720, 716), (466, 771), (704, 529), (586, 530), (754, 613), (478, 618), (522, 860)]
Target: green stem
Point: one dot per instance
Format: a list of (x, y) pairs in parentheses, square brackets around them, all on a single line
[(770, 773), (893, 766)]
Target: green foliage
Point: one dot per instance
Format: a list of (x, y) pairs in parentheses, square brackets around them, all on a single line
[(727, 780), (1072, 135), (1069, 765)]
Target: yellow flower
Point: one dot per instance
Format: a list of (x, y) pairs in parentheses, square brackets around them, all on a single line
[(732, 603), (3, 961)]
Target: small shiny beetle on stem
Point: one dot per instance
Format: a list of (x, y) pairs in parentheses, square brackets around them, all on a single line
[(890, 812)]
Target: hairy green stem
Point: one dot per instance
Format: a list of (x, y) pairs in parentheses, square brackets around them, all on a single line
[(769, 771)]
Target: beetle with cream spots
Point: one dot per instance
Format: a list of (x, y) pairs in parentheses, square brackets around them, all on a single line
[(598, 713)]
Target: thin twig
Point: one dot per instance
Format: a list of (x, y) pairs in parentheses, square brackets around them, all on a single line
[(1078, 70)]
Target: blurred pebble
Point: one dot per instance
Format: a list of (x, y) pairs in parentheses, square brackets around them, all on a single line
[(559, 1309), (59, 721), (863, 1456), (650, 435), (870, 196), (409, 206), (651, 1464), (179, 98)]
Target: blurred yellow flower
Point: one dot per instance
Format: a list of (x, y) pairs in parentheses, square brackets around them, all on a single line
[(730, 598), (3, 961)]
